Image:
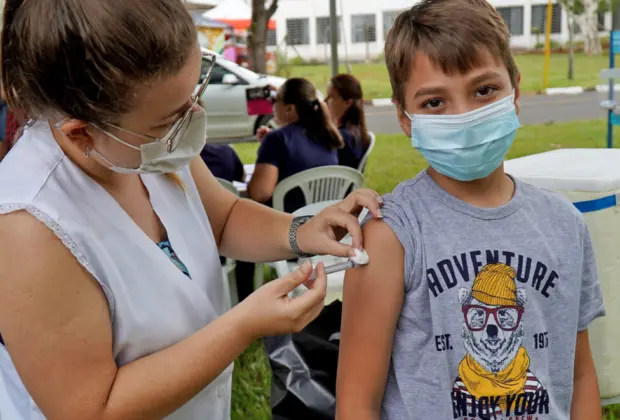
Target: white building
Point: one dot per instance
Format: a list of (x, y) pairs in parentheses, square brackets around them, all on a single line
[(304, 24)]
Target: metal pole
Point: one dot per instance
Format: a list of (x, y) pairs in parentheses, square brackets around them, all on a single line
[(548, 43), (610, 112), (333, 23)]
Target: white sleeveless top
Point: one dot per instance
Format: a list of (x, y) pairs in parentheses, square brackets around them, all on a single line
[(152, 303)]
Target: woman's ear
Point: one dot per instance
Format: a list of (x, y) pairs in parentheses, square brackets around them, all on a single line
[(77, 132)]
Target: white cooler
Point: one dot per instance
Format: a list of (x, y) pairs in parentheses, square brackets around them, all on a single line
[(590, 178)]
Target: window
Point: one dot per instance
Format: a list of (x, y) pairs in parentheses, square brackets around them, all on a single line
[(298, 31), (601, 22), (539, 18), (513, 16), (272, 41), (363, 28), (388, 21), (323, 30), (217, 75)]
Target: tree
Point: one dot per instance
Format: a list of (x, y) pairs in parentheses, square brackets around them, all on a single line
[(257, 36), (584, 13)]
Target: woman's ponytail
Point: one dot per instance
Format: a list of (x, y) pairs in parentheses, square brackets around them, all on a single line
[(313, 113)]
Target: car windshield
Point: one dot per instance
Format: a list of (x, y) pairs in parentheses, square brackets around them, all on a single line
[(240, 71)]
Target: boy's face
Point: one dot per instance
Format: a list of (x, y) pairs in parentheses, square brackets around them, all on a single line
[(431, 91)]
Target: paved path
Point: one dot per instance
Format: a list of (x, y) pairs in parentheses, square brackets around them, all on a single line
[(534, 110)]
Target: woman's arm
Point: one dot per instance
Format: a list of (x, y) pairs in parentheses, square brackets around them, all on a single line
[(55, 321), (248, 231), (586, 397), (263, 182), (243, 229), (372, 301)]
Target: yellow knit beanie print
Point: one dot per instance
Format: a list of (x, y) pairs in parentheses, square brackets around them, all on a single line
[(495, 285)]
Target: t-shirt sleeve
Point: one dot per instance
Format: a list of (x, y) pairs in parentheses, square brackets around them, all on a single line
[(401, 220), (272, 150), (591, 296)]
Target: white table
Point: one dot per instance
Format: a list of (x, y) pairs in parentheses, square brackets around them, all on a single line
[(242, 187)]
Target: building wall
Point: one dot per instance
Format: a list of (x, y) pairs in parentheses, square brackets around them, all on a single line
[(313, 9)]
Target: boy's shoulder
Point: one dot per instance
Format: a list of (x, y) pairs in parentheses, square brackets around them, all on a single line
[(549, 203), (407, 190)]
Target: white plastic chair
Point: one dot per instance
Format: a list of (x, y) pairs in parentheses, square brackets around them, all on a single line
[(364, 161), (230, 286), (229, 186), (319, 184)]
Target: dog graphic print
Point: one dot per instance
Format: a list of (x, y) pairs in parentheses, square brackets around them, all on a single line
[(494, 378)]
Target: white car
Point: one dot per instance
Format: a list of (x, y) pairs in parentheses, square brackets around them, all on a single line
[(225, 100)]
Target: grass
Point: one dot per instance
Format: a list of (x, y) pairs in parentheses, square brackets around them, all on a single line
[(393, 161), (376, 83)]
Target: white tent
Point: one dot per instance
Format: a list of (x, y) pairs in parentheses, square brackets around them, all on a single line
[(202, 4), (230, 10)]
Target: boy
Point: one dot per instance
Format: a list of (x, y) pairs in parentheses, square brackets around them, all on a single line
[(480, 288)]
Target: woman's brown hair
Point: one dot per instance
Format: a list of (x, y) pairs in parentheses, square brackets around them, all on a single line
[(354, 119), (83, 59), (313, 113)]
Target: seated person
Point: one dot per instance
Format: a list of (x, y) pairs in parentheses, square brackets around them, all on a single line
[(306, 139), (223, 162), (345, 102), (481, 288)]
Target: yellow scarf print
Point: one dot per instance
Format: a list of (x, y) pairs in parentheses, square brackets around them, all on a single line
[(509, 381)]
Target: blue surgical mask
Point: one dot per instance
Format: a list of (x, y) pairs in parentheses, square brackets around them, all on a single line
[(466, 146)]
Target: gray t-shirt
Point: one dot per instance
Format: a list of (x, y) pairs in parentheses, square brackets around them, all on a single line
[(494, 299)]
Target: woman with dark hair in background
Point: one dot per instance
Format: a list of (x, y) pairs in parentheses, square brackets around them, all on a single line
[(112, 302), (345, 102), (306, 139)]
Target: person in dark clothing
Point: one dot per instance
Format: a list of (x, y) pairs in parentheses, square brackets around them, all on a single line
[(345, 102), (223, 162), (306, 139)]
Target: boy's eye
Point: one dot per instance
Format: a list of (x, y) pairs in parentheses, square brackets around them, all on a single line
[(485, 91), (432, 103)]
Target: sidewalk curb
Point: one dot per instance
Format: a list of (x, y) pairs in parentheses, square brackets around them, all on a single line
[(570, 90)]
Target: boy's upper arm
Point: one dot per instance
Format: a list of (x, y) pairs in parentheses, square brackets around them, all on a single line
[(372, 302)]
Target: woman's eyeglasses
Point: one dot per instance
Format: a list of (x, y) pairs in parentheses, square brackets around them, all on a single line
[(171, 138)]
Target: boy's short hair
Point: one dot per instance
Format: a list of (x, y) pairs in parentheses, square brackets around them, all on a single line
[(452, 33)]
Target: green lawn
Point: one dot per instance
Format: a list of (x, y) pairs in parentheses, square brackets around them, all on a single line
[(392, 161), (376, 84)]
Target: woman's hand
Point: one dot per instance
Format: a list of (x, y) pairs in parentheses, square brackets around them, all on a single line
[(269, 310), (321, 234), (262, 132)]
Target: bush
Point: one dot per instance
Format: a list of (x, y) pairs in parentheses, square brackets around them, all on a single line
[(554, 45)]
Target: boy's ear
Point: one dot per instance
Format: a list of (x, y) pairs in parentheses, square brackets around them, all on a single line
[(518, 94), (403, 119)]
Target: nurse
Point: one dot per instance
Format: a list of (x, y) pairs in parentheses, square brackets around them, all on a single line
[(111, 296)]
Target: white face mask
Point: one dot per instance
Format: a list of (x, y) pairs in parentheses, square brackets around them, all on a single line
[(171, 153)]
